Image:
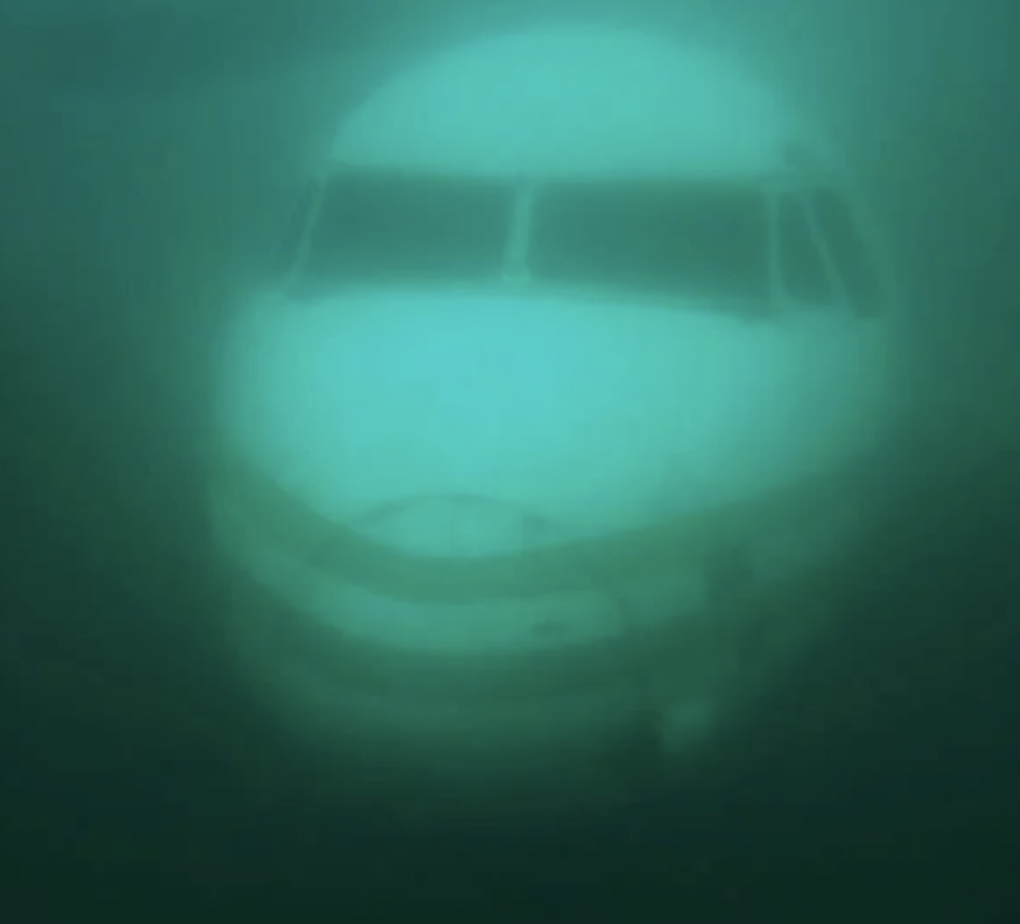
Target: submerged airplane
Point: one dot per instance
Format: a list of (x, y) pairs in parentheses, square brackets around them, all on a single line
[(537, 458)]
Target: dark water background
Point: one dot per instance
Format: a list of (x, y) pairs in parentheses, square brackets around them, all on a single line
[(148, 156)]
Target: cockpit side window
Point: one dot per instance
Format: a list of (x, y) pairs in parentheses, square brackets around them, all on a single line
[(850, 255), (386, 228), (291, 245), (804, 272), (654, 238)]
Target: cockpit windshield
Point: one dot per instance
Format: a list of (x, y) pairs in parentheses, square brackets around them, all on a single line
[(730, 243), (402, 229), (656, 238)]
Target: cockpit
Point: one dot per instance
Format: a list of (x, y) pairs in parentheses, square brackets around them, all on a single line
[(746, 248)]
